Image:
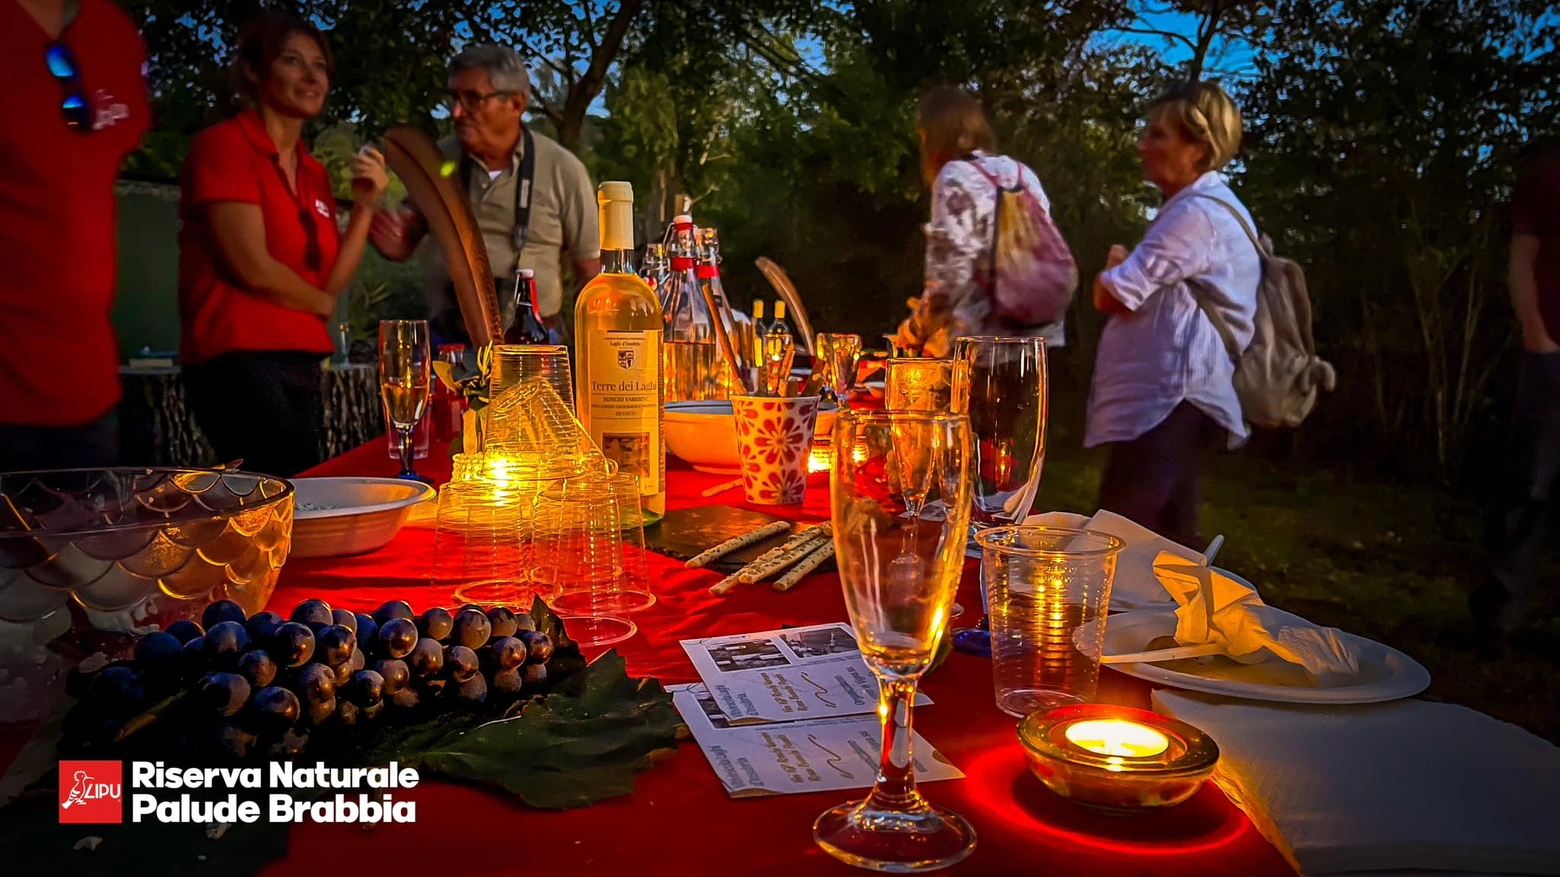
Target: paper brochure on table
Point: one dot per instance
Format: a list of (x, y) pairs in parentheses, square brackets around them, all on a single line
[(807, 756), (785, 675)]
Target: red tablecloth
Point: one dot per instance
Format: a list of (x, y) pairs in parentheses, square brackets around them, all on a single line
[(679, 819)]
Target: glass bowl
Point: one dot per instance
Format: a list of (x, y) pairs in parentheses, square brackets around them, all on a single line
[(1117, 783), (92, 558)]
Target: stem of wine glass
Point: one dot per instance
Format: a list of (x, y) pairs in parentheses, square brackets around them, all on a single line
[(895, 785), (407, 446)]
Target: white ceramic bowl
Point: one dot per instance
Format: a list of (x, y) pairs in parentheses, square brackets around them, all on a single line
[(705, 434), (340, 517)]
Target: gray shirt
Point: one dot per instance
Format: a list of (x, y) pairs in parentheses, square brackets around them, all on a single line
[(563, 222)]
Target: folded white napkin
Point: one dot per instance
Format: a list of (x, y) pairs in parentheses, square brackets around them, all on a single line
[(1134, 586), (1405, 785), (1214, 608)]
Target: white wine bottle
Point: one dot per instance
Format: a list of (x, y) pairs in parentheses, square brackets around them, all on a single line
[(617, 380)]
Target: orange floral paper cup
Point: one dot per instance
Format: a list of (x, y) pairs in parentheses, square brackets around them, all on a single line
[(774, 437)]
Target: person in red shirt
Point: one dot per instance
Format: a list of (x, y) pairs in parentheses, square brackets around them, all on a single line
[(1532, 464), (75, 106), (260, 258)]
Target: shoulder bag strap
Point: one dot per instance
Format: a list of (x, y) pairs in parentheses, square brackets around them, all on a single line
[(996, 223)]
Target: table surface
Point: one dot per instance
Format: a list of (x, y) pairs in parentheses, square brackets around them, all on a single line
[(679, 818)]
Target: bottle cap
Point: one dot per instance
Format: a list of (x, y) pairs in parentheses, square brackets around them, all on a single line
[(615, 190), (526, 273), (682, 220), (779, 310), (758, 309)]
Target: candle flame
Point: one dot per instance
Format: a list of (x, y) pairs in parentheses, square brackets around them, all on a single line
[(1117, 738)]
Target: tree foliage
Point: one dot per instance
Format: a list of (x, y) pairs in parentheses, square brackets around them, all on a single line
[(1383, 136)]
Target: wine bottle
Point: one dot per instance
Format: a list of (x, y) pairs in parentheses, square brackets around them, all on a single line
[(778, 326), (526, 327), (618, 377)]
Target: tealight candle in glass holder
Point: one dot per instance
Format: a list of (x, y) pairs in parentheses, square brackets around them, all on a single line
[(1117, 758)]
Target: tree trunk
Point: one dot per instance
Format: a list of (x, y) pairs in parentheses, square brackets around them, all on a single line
[(583, 91)]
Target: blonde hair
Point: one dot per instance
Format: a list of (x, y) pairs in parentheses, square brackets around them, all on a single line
[(954, 124), (1206, 114)]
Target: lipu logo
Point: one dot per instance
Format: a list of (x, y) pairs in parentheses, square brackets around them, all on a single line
[(91, 792), (625, 359)]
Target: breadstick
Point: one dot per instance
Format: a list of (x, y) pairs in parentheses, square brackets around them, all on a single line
[(761, 569), (707, 557), (725, 585), (807, 565)]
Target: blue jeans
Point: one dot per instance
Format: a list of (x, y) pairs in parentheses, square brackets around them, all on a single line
[(85, 446), (1527, 490)]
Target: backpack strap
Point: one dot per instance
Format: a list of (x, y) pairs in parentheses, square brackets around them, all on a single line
[(1200, 295), (1245, 226), (996, 220), (1226, 334)]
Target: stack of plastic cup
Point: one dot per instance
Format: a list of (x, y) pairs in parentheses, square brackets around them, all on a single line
[(635, 593), (482, 543), (532, 432), (514, 364), (578, 550)]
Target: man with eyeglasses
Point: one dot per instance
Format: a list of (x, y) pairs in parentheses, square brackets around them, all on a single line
[(75, 107), (533, 199)]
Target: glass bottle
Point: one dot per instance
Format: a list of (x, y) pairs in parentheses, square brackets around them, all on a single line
[(778, 326), (692, 355), (525, 327), (653, 272), (618, 381), (739, 327)]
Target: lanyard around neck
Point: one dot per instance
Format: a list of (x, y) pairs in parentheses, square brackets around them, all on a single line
[(468, 167)]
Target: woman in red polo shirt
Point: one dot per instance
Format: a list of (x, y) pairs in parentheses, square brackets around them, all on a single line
[(260, 258)]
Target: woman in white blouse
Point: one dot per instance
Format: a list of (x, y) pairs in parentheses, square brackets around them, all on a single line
[(959, 161), (1163, 381)]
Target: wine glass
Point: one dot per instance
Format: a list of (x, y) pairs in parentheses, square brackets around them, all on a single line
[(405, 365), (838, 351), (900, 503), (1006, 402)]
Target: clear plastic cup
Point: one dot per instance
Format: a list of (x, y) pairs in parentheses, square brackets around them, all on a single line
[(514, 364), (1047, 592), (578, 552)]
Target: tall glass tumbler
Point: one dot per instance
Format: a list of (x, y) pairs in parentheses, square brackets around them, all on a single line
[(405, 383), (1047, 592), (1007, 403), (900, 501)]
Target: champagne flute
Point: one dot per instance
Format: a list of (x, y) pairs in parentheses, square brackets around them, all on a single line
[(405, 366), (1007, 393), (899, 533), (838, 352)]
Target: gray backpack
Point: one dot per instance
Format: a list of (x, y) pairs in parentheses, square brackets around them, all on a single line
[(1278, 374)]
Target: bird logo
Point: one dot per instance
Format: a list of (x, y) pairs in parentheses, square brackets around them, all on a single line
[(77, 791)]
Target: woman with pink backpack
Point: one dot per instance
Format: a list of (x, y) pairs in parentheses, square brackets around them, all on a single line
[(995, 263)]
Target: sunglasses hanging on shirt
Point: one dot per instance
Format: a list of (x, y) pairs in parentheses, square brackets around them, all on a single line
[(76, 106)]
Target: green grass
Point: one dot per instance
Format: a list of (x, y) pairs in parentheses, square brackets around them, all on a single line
[(1390, 563)]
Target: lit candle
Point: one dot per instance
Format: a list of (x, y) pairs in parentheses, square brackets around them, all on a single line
[(1117, 737)]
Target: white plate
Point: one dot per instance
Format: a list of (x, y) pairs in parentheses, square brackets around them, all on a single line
[(1385, 673), (340, 517)]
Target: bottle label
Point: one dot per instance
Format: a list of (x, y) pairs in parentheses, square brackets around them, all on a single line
[(625, 403), (705, 272), (681, 263)]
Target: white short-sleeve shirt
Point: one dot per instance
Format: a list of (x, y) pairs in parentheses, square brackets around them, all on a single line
[(1165, 350)]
